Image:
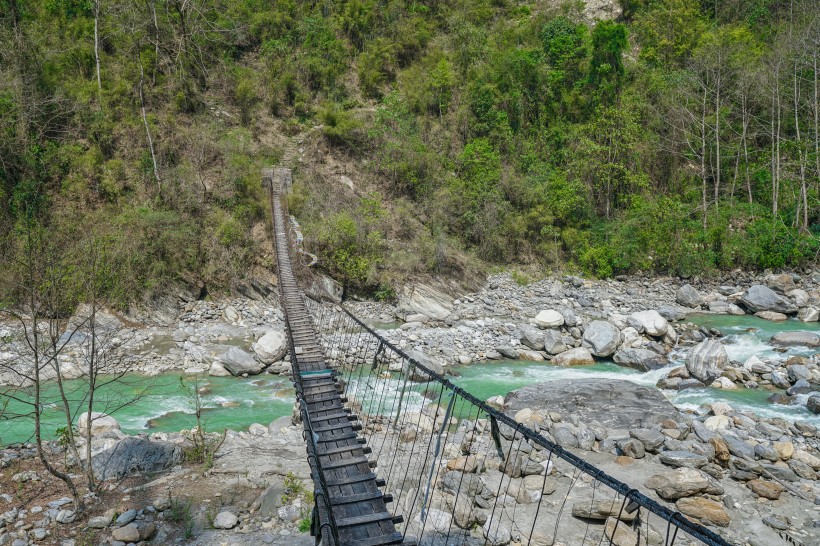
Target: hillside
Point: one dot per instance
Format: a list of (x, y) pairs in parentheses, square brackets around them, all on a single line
[(430, 138)]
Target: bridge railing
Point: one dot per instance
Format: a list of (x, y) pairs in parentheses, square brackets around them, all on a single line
[(462, 472)]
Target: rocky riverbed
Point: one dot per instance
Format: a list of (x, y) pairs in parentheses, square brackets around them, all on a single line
[(762, 471)]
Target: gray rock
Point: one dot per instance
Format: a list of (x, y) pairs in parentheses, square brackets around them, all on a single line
[(779, 380), (761, 298), (798, 372), (651, 439), (602, 338), (688, 296), (615, 404), (270, 500), (801, 386), (532, 337), (648, 322), (640, 359), (683, 482), (706, 360), (135, 454), (65, 516), (507, 352), (781, 523), (128, 533), (670, 312), (126, 517), (796, 339), (738, 447), (802, 469), (417, 374), (768, 453), (782, 473), (632, 448), (564, 436), (809, 314), (578, 356), (225, 520), (682, 459), (239, 362), (553, 343), (271, 347), (98, 522), (813, 403)]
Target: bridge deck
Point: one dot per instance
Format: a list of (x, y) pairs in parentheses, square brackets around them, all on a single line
[(358, 506)]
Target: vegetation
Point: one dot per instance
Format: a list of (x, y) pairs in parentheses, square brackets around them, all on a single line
[(680, 138)]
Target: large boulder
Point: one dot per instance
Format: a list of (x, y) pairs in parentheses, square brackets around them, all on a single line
[(424, 299), (417, 374), (761, 298), (100, 423), (239, 362), (271, 347), (135, 455), (549, 319), (706, 360), (602, 338), (532, 337), (796, 339), (688, 296), (640, 359), (580, 356), (554, 342), (615, 403), (649, 322), (683, 482), (782, 283)]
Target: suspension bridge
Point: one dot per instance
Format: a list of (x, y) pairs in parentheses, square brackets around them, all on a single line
[(400, 455)]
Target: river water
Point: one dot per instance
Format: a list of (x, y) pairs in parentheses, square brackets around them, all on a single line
[(163, 404)]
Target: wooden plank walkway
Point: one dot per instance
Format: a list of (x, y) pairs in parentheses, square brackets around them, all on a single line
[(358, 513)]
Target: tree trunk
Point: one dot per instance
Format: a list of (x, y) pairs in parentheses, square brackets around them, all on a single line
[(148, 129), (97, 49)]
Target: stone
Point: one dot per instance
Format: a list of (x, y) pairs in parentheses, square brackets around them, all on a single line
[(615, 403), (258, 430), (128, 533), (468, 464), (135, 454), (765, 489), (782, 283), (717, 423), (670, 312), (100, 423), (813, 403), (796, 339), (580, 356), (602, 337), (549, 319), (781, 523), (682, 459), (271, 347), (126, 517), (532, 356), (239, 362), (651, 439), (802, 469), (507, 352), (225, 520), (724, 383), (65, 516), (98, 522), (496, 532), (424, 299), (707, 360), (761, 298), (706, 510), (640, 359), (683, 482), (688, 296), (554, 342), (632, 448), (601, 510), (784, 450), (230, 314), (809, 314), (649, 322), (218, 370), (768, 453), (771, 316), (798, 372), (417, 374), (531, 337), (620, 534), (780, 380)]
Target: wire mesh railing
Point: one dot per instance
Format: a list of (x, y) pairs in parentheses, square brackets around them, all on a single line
[(464, 473)]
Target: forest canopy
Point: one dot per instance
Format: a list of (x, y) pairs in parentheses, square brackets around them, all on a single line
[(679, 137)]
